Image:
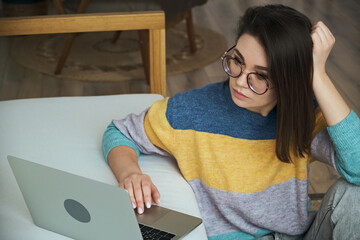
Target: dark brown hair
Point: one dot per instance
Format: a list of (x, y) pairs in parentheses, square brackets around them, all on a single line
[(285, 35)]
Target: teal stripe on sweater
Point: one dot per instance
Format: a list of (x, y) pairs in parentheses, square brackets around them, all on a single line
[(113, 138), (346, 138)]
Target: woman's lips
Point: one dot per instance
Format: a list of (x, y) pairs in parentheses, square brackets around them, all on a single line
[(240, 95)]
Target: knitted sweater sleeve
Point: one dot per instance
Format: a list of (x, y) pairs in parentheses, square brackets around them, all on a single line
[(129, 132), (339, 145)]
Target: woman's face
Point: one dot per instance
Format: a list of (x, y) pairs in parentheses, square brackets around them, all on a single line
[(249, 51)]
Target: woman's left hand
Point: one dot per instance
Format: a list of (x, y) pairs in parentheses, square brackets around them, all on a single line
[(332, 105), (323, 42)]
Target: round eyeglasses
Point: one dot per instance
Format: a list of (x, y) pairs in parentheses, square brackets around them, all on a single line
[(233, 67)]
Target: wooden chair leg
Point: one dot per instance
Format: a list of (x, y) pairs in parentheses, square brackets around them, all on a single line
[(83, 5), (189, 26), (191, 32), (59, 6), (66, 50), (65, 53), (116, 37), (144, 48)]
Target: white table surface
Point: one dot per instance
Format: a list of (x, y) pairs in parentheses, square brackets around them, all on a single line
[(65, 133)]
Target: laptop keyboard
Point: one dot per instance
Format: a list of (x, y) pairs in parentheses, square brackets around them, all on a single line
[(150, 233)]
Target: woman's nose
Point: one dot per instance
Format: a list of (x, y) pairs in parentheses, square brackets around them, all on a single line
[(242, 80)]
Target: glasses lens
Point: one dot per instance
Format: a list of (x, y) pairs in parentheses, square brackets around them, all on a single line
[(231, 66), (257, 83)]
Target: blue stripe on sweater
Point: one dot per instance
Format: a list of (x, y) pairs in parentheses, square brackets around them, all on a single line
[(197, 109)]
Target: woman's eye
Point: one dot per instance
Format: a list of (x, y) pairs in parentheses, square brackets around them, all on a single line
[(239, 62), (262, 76)]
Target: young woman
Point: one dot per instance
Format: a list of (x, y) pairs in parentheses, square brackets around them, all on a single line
[(244, 145)]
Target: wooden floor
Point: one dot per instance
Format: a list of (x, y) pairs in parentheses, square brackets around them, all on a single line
[(341, 16)]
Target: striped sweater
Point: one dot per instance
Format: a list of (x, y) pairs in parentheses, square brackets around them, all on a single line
[(227, 155)]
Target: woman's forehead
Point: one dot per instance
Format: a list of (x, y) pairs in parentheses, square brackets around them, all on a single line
[(251, 50)]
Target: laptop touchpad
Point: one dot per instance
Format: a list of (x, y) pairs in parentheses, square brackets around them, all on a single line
[(151, 215)]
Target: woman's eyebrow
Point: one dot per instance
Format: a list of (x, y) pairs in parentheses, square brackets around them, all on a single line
[(262, 68), (239, 54), (243, 59)]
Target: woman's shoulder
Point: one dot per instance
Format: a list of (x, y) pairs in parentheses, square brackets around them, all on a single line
[(195, 104), (195, 99)]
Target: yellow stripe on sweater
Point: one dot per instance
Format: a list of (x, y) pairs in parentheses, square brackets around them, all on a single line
[(219, 161)]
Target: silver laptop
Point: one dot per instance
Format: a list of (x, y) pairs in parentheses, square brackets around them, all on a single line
[(82, 208)]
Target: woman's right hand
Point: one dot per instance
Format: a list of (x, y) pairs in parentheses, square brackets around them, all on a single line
[(141, 190), (123, 162)]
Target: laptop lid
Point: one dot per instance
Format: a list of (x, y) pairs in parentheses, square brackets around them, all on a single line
[(83, 208), (75, 206)]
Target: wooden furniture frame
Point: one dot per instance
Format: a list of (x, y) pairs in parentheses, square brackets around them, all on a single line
[(143, 36), (153, 21)]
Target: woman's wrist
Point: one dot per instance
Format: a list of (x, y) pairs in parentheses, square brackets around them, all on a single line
[(320, 79), (123, 162), (332, 105)]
